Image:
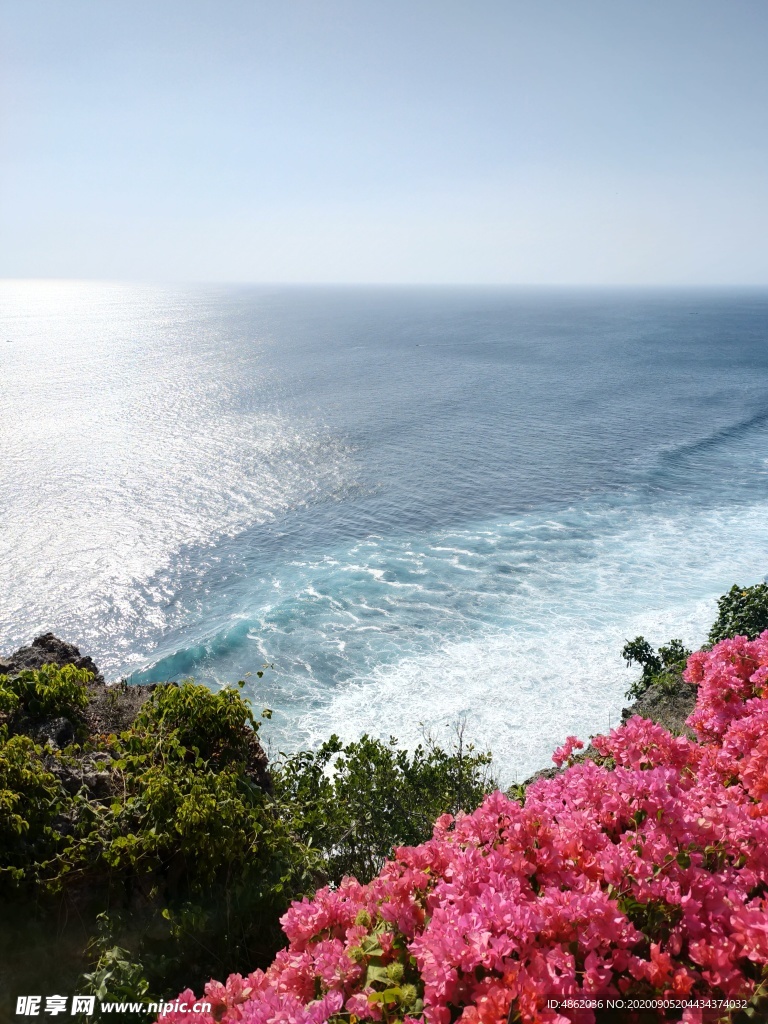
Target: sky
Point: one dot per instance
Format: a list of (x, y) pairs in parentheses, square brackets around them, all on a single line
[(577, 142)]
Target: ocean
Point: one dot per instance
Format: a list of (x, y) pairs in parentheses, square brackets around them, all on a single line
[(416, 507)]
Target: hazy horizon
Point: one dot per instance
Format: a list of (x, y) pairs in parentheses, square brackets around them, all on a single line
[(421, 143), (532, 287)]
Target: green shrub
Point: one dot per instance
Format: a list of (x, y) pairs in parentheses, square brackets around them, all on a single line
[(45, 692), (169, 825), (189, 825), (9, 699), (743, 611), (355, 803), (663, 670), (219, 727), (175, 827), (29, 801)]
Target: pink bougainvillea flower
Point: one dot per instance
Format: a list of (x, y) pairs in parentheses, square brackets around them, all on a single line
[(644, 874)]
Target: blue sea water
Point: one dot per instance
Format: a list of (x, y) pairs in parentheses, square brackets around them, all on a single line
[(418, 506)]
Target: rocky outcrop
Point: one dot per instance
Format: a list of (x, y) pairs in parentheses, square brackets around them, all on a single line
[(669, 705), (111, 708), (47, 650)]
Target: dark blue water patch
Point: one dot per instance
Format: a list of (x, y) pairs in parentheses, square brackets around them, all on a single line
[(514, 400)]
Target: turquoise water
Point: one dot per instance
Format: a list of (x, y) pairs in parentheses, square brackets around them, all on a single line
[(417, 506)]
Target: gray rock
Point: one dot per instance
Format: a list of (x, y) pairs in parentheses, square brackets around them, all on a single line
[(668, 706), (47, 650), (57, 731)]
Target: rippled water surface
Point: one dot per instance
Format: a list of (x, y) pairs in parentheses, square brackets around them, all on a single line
[(416, 505)]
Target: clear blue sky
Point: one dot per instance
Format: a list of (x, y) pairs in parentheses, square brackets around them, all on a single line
[(498, 141)]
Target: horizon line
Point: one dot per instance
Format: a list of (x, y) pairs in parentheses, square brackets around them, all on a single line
[(244, 283)]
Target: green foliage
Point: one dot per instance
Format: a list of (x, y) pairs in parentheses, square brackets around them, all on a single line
[(29, 800), (654, 918), (9, 700), (45, 692), (190, 823), (396, 985), (218, 727), (663, 670), (169, 824), (176, 827), (116, 976), (743, 611), (355, 803), (757, 1007), (186, 775)]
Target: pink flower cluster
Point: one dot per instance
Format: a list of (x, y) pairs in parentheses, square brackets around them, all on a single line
[(564, 754), (642, 874)]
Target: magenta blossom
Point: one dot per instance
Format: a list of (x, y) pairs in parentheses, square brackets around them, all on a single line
[(641, 874)]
